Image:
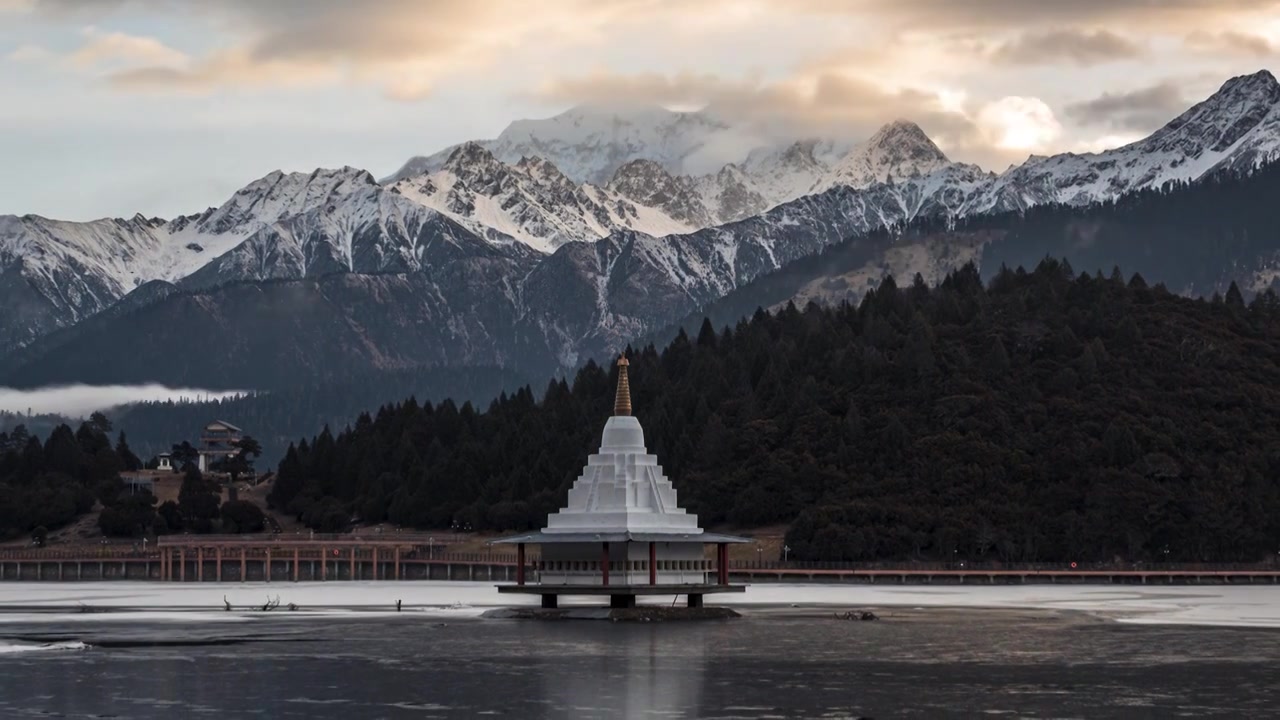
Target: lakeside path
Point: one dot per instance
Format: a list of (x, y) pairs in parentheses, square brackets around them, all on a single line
[(1227, 606)]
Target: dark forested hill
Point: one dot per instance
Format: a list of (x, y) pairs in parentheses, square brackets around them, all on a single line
[(1047, 416)]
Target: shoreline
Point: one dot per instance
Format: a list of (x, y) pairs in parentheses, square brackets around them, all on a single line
[(1231, 606)]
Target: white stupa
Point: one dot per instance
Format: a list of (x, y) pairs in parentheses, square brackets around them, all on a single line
[(622, 532), (623, 486)]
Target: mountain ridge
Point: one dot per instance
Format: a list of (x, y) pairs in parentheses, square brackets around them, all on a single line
[(518, 216)]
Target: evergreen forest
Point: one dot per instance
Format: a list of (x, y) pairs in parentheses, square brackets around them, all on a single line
[(47, 484), (1042, 416)]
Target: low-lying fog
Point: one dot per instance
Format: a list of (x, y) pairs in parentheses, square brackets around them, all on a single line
[(81, 400)]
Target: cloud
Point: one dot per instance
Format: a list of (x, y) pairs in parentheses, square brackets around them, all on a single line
[(81, 400), (229, 67), (1024, 13), (1138, 110), (822, 103), (1081, 47), (406, 46), (1231, 42), (1019, 123), (832, 104), (30, 54), (117, 48)]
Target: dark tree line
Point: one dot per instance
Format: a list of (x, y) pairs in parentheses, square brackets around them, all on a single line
[(1047, 416), (46, 485)]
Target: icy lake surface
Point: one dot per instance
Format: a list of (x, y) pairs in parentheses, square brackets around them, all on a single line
[(138, 650)]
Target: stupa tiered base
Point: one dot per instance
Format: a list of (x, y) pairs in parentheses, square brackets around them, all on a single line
[(620, 596)]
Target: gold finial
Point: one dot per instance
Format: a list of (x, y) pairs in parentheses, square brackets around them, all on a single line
[(622, 405)]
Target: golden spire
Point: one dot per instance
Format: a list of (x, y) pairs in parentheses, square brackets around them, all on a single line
[(622, 405)]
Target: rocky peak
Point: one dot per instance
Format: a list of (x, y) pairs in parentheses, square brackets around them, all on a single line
[(543, 171), (477, 169), (646, 182), (1242, 104), (905, 140), (898, 150), (634, 176)]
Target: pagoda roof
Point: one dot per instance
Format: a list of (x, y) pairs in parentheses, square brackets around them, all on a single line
[(548, 538)]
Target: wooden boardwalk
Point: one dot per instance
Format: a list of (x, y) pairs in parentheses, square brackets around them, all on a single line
[(342, 558)]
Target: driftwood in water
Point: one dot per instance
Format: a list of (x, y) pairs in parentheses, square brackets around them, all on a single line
[(862, 615)]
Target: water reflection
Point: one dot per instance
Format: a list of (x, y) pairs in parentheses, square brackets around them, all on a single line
[(631, 672)]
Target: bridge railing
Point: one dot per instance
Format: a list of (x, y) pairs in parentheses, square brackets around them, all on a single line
[(1267, 566), (309, 551), (408, 538)]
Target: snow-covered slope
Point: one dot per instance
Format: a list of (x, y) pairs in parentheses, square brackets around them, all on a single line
[(531, 202), (1236, 128), (65, 271)]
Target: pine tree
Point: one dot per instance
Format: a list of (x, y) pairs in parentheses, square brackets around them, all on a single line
[(127, 458), (1234, 299), (997, 361)]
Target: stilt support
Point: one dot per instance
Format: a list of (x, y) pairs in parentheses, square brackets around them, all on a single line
[(604, 563), (653, 563), (519, 567)]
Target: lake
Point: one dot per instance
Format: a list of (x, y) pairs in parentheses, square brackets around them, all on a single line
[(777, 662)]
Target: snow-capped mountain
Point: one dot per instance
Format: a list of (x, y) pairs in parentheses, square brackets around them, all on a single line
[(348, 291), (644, 241), (589, 143), (58, 272)]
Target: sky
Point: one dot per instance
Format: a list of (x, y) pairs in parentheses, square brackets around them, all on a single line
[(166, 107)]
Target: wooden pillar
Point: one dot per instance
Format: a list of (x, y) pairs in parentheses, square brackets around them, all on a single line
[(266, 566), (200, 564), (243, 551), (397, 563), (219, 563), (353, 563), (520, 563), (375, 563), (653, 563), (324, 563), (295, 564), (722, 563), (164, 566), (182, 565), (604, 563)]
